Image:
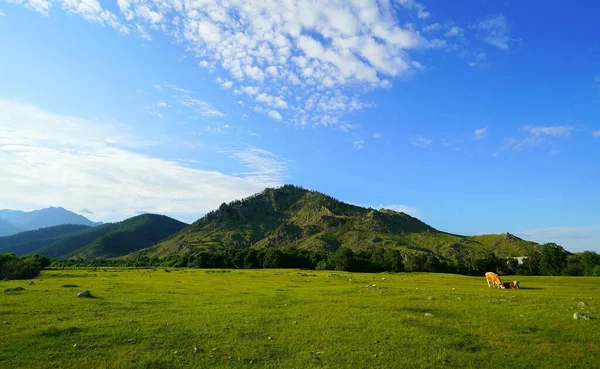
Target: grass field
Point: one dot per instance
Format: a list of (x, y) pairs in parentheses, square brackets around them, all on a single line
[(295, 319)]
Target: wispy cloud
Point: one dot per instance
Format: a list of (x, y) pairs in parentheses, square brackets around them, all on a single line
[(377, 135), (556, 131), (199, 106), (2, 14), (420, 141), (358, 144), (82, 163), (495, 32), (596, 133), (265, 167), (480, 133), (275, 115), (535, 136)]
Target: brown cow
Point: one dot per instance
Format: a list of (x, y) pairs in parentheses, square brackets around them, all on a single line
[(512, 285), (493, 278)]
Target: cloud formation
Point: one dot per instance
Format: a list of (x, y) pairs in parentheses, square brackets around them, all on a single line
[(420, 141), (535, 136), (495, 32), (480, 133), (48, 159), (557, 131), (305, 62)]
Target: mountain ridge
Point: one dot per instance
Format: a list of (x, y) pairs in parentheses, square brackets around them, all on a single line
[(293, 217), (43, 218)]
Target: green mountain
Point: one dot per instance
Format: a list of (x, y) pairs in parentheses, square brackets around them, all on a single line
[(292, 217), (105, 241), (27, 242), (130, 235)]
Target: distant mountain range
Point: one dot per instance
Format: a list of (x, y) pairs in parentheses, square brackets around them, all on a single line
[(15, 221), (285, 217), (103, 241)]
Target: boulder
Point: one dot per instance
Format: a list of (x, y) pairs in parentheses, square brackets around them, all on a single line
[(31, 283), (16, 289), (84, 293), (579, 316), (583, 304)]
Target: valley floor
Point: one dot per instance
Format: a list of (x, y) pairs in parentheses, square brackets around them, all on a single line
[(295, 319)]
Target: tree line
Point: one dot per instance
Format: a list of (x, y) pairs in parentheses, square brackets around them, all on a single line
[(14, 267), (550, 259)]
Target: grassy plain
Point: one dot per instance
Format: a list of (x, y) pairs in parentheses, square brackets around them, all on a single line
[(295, 319)]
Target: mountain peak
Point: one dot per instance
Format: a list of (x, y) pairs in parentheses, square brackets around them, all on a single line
[(43, 218)]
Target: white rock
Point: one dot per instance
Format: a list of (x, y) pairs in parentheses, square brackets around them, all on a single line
[(578, 316), (85, 293)]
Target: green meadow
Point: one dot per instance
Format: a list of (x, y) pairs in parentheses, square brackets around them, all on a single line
[(194, 318)]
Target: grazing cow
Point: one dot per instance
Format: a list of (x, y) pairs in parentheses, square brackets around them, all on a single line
[(512, 285), (493, 278)]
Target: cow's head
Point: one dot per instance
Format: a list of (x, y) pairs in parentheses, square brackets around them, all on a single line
[(501, 285)]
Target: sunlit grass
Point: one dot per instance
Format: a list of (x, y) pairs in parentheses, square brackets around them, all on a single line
[(295, 319)]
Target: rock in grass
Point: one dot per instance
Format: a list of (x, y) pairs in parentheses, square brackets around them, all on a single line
[(429, 315), (579, 316), (84, 293), (583, 304), (31, 283), (16, 289)]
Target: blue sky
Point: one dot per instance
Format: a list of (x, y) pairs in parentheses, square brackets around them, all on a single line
[(475, 116)]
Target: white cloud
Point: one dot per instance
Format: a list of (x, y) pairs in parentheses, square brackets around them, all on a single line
[(274, 101), (480, 133), (275, 115), (198, 106), (358, 144), (322, 49), (495, 32), (454, 31), (250, 90), (557, 131), (2, 14), (41, 6), (265, 167), (420, 141), (377, 135), (161, 104), (596, 133), (573, 238), (535, 136), (49, 159)]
